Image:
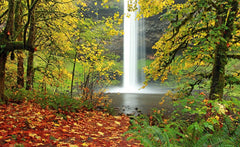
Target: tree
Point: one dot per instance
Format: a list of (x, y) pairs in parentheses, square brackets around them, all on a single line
[(58, 21), (205, 33), (18, 26), (30, 42), (34, 19), (7, 43), (98, 64)]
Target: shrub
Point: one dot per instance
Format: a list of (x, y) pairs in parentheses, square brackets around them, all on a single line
[(198, 122)]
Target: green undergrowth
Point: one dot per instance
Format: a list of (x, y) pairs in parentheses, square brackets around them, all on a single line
[(62, 103), (196, 121)]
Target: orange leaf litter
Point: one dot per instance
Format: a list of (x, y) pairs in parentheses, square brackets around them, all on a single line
[(30, 125)]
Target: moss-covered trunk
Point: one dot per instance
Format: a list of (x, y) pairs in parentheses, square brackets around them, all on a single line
[(218, 72), (226, 15), (18, 27)]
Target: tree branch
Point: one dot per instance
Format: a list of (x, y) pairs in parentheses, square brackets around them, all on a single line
[(234, 56), (4, 13), (15, 45)]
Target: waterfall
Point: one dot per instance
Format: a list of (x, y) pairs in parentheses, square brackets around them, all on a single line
[(134, 49), (130, 72)]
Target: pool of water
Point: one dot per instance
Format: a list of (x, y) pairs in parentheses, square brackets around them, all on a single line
[(135, 103)]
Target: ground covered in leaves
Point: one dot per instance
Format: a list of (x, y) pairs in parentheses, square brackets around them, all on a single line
[(29, 125)]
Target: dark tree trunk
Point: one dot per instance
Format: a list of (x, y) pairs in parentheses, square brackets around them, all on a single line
[(18, 26), (7, 36), (29, 82), (73, 73), (10, 22), (3, 57), (31, 39), (20, 70), (218, 72)]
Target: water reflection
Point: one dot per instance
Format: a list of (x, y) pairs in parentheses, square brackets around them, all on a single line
[(138, 90), (130, 103)]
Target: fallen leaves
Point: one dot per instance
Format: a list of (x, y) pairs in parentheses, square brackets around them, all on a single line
[(30, 125)]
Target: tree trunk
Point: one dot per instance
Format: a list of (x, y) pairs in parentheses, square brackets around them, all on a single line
[(18, 26), (10, 22), (29, 82), (73, 73), (226, 17), (3, 57), (8, 33), (218, 72), (31, 39), (20, 70)]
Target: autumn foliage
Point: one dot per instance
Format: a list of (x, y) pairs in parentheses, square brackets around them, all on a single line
[(29, 125)]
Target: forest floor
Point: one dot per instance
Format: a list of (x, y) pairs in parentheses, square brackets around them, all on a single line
[(27, 124)]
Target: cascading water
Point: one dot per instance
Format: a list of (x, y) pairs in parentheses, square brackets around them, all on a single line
[(130, 75)]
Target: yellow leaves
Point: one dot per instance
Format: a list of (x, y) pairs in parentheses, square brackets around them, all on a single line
[(153, 7), (72, 145), (83, 4), (100, 125), (221, 108), (101, 133), (85, 144), (117, 117), (56, 124), (105, 1), (161, 103), (118, 123), (64, 130), (34, 135)]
